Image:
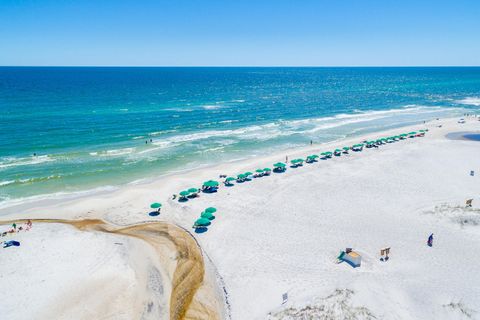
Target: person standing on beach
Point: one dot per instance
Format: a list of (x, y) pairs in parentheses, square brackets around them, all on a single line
[(311, 142), (286, 159), (430, 240)]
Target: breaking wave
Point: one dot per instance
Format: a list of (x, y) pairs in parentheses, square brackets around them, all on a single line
[(472, 101), (28, 180), (25, 161)]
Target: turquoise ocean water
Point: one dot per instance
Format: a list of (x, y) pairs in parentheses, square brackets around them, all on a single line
[(88, 126)]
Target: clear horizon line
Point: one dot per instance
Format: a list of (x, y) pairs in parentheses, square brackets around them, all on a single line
[(238, 66)]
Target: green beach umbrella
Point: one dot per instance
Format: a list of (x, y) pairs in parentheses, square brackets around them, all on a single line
[(241, 176), (184, 193), (155, 205), (193, 190), (403, 135), (279, 165), (267, 169), (202, 222), (248, 173), (338, 150), (346, 148), (210, 183), (230, 179), (211, 209), (259, 170), (413, 132), (207, 215)]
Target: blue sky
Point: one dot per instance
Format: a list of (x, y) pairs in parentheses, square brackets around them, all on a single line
[(239, 33)]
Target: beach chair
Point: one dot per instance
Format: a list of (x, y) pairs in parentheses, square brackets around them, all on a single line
[(468, 203)]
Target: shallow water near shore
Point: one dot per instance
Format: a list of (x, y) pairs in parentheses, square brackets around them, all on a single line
[(103, 127)]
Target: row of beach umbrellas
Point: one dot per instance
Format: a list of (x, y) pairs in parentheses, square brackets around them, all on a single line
[(205, 218), (280, 166)]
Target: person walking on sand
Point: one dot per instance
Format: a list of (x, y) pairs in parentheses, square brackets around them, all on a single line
[(430, 240), (286, 159), (14, 225)]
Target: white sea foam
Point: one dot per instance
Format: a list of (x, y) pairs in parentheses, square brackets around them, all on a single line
[(473, 101), (212, 107), (29, 180), (119, 152), (6, 183), (290, 127), (228, 121), (261, 132), (113, 152), (179, 109), (210, 150), (14, 162)]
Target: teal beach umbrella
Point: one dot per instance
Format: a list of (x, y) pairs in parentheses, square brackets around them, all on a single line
[(211, 209), (210, 183), (208, 215), (202, 222)]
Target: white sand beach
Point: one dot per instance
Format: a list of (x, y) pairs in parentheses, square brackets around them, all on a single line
[(272, 235)]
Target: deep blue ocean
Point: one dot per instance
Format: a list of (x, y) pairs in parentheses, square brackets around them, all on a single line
[(89, 126)]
